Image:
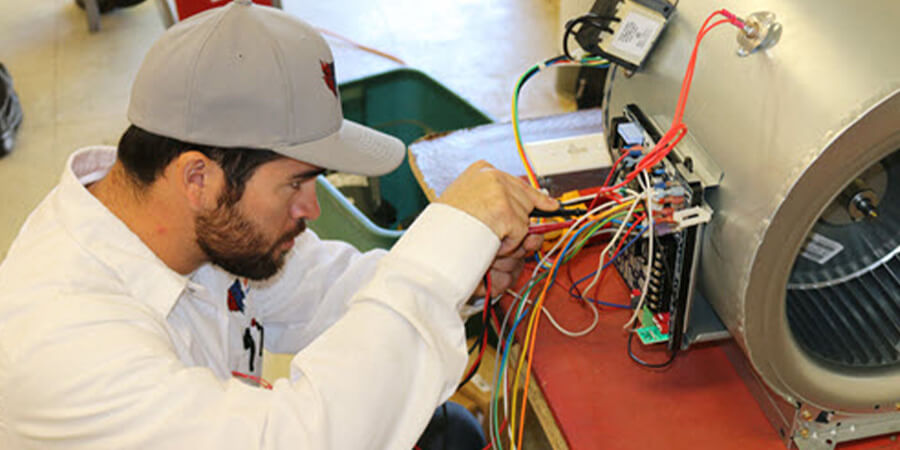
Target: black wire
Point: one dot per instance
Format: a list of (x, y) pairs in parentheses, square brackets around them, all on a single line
[(590, 18), (661, 365), (561, 212), (474, 344), (469, 378), (479, 341)]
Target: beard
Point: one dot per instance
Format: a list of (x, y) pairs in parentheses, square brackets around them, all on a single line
[(233, 243)]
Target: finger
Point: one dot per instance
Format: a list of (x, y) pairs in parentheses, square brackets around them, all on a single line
[(519, 253), (514, 274), (500, 282), (532, 243), (513, 239), (531, 196), (507, 264)]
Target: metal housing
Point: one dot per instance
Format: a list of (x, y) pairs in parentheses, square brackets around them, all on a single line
[(790, 126)]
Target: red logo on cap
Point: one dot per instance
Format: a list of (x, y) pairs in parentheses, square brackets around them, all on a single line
[(328, 76)]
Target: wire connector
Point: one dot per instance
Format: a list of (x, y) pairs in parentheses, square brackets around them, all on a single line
[(689, 217), (733, 18)]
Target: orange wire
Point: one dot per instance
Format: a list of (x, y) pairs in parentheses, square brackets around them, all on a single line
[(669, 140), (532, 332)]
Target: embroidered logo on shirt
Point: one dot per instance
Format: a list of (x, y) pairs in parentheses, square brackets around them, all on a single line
[(236, 297)]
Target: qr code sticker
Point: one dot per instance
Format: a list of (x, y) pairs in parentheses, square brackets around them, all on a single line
[(635, 34)]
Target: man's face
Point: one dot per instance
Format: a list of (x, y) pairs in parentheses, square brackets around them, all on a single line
[(251, 237)]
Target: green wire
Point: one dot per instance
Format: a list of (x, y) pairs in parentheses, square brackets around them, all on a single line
[(589, 61), (495, 433)]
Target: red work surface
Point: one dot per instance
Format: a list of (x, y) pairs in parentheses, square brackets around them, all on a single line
[(602, 399)]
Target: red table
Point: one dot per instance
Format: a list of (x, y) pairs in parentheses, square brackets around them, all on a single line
[(599, 398)]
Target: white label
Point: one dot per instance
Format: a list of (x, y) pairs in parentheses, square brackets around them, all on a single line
[(820, 249), (569, 154), (635, 34)]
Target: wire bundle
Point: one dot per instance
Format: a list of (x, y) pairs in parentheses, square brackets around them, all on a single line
[(623, 220), (678, 129), (627, 215), (557, 61)]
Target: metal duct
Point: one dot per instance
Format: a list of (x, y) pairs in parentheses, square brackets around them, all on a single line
[(799, 131)]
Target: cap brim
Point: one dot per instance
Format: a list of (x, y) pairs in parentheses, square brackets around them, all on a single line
[(354, 148)]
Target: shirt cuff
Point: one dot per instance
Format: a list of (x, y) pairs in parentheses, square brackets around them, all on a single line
[(450, 242)]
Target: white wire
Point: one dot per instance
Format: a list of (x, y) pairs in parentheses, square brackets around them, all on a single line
[(609, 247), (559, 327), (504, 381), (577, 200), (648, 189), (544, 261), (633, 196)]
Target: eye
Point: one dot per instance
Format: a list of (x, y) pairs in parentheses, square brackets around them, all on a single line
[(297, 184)]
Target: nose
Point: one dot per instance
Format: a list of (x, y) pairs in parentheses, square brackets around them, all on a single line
[(305, 204)]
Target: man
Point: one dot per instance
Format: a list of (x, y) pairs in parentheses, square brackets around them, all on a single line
[(139, 295)]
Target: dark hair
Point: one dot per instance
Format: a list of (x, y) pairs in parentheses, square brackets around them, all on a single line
[(145, 156)]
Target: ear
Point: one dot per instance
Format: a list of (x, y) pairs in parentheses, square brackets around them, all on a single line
[(199, 179)]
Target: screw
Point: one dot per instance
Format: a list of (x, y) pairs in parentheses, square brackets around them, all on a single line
[(806, 414), (804, 432)]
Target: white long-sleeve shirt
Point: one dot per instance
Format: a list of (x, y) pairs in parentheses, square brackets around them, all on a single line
[(103, 346)]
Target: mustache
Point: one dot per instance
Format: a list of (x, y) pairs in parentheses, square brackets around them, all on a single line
[(299, 228)]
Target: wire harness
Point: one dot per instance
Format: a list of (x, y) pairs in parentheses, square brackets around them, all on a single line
[(622, 213)]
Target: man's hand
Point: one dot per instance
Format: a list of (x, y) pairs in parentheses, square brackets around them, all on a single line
[(499, 200), (506, 269)]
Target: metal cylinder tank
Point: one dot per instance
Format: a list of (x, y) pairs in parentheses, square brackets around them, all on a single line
[(801, 258)]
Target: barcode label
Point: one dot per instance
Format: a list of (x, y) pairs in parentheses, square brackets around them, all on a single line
[(635, 34), (820, 249)]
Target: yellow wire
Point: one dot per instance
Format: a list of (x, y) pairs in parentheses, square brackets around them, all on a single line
[(532, 179), (527, 344), (599, 216)]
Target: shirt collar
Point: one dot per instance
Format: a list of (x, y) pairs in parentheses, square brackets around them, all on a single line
[(105, 236)]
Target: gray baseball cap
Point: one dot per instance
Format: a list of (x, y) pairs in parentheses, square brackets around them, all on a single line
[(246, 75)]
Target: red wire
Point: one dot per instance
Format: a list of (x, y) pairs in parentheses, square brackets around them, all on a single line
[(548, 227), (611, 170), (677, 130), (484, 321), (635, 224)]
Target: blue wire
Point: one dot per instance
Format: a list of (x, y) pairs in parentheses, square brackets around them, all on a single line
[(600, 302), (524, 312)]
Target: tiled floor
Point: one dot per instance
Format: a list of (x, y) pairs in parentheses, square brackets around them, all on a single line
[(74, 85)]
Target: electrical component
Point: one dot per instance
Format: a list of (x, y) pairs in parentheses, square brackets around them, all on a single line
[(570, 163), (623, 32), (679, 211), (803, 276)]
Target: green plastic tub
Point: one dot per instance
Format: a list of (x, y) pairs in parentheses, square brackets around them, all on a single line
[(407, 104)]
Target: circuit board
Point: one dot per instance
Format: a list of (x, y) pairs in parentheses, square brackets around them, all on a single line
[(677, 201)]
